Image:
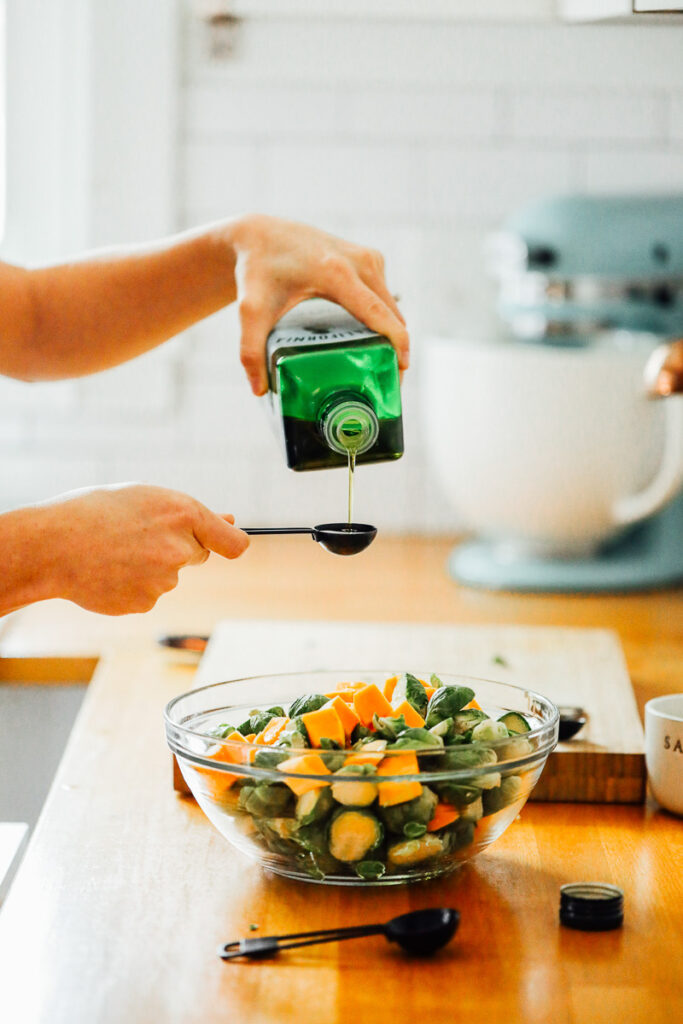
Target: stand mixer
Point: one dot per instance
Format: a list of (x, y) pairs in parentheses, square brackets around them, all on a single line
[(558, 456)]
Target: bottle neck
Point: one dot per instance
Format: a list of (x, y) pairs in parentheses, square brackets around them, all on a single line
[(349, 425)]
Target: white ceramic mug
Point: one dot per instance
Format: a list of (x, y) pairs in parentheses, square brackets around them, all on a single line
[(664, 750), (550, 450)]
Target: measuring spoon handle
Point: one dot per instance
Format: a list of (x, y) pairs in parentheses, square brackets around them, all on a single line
[(273, 943), (275, 529)]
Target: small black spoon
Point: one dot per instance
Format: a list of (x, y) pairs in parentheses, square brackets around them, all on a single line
[(421, 932), (339, 538), (571, 721)]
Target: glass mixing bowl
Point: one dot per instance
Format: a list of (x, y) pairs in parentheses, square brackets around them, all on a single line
[(293, 810)]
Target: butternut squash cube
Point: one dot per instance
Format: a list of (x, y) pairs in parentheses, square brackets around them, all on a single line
[(413, 718), (347, 716), (391, 793), (324, 723), (306, 764), (370, 701)]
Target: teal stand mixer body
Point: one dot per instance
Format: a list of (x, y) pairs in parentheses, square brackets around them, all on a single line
[(570, 267)]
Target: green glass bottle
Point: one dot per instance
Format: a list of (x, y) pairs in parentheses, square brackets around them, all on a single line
[(334, 388)]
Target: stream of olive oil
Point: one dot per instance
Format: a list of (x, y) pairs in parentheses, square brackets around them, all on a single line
[(352, 466)]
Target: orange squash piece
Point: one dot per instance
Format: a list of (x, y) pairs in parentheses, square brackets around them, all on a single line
[(324, 723), (412, 717), (273, 729), (370, 701), (219, 782), (444, 814), (346, 690), (390, 686), (391, 793), (305, 764), (429, 690), (371, 753), (347, 716), (472, 704)]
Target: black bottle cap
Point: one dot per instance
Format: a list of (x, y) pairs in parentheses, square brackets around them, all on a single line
[(591, 906)]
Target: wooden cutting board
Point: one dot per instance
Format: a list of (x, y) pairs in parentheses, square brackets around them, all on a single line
[(586, 667)]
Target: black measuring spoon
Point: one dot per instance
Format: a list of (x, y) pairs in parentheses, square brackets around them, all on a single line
[(420, 932), (338, 538), (572, 720)]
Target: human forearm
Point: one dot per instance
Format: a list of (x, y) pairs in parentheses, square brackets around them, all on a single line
[(28, 557), (109, 307)]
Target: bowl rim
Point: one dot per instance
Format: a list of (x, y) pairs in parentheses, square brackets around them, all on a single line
[(548, 728)]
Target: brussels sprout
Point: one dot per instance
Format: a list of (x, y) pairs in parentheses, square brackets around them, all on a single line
[(222, 730), (266, 799), (279, 834), (446, 703), (488, 781), (351, 786), (416, 739), (308, 702), (465, 721), (269, 758), (359, 733), (420, 809), (258, 720), (353, 834), (331, 753), (294, 734), (411, 689), (458, 796), (459, 835), (445, 730), (414, 829), (489, 731), (414, 851), (473, 811), (467, 756), (370, 870), (435, 681), (314, 805), (507, 793), (517, 746), (388, 728)]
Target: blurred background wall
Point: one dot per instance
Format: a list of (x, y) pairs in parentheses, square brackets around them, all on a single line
[(414, 136)]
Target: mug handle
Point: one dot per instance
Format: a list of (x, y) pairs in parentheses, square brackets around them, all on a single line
[(663, 379)]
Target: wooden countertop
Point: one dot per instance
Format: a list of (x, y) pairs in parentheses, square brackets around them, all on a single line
[(126, 890)]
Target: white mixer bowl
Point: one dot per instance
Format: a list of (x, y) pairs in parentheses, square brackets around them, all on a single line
[(548, 451)]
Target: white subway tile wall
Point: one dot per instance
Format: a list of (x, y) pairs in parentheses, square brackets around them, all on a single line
[(417, 138)]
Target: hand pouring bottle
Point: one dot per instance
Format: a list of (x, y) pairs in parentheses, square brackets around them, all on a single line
[(334, 388)]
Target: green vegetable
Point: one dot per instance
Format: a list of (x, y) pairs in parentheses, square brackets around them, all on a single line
[(413, 829), (473, 811), (507, 793), (420, 809), (370, 870), (253, 927), (258, 720), (221, 731), (351, 787), (331, 753), (314, 805), (360, 733), (517, 746), (515, 722), (498, 659), (309, 702), (413, 851), (446, 703), (465, 721), (489, 731), (269, 758), (388, 728), (445, 730), (416, 739), (411, 689), (459, 835), (435, 681), (353, 834), (266, 799), (467, 756), (458, 796), (294, 734)]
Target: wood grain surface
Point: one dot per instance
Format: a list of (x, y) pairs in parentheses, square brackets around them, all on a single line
[(127, 890), (585, 667)]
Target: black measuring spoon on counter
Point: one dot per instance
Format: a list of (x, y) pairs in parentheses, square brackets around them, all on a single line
[(338, 538), (420, 932)]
